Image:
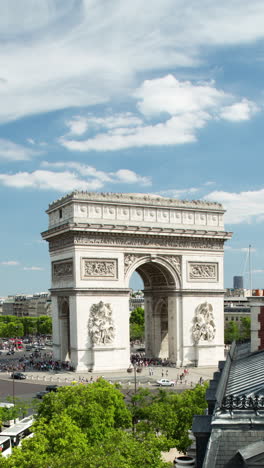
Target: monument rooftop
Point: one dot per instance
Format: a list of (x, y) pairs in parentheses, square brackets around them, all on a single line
[(136, 212), (137, 198)]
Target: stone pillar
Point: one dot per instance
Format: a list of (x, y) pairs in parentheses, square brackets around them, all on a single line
[(148, 307), (173, 330)]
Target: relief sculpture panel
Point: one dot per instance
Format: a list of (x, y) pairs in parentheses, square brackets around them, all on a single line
[(62, 270), (101, 325), (203, 323), (198, 271), (99, 268)]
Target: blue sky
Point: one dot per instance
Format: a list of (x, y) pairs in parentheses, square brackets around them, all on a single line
[(162, 97)]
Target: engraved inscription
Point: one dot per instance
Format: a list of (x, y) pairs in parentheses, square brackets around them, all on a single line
[(203, 271), (99, 268), (61, 270)]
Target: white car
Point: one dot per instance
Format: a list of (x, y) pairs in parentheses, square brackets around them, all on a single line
[(165, 383)]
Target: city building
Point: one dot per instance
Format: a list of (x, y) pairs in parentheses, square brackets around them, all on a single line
[(231, 433), (24, 305)]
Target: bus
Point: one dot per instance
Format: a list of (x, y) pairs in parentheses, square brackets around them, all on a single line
[(5, 445), (19, 431)]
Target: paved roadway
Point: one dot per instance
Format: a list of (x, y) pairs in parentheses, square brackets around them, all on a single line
[(23, 390), (37, 381)]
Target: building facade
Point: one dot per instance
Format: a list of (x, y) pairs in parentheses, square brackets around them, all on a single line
[(23, 305)]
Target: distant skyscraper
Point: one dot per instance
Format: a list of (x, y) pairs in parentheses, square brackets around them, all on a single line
[(238, 282)]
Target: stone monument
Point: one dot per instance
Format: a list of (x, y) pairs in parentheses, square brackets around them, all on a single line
[(96, 242)]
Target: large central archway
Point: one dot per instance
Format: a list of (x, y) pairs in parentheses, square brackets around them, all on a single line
[(97, 241), (160, 284)]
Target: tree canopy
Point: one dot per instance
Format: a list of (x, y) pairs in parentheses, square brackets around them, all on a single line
[(90, 426), (234, 332), (11, 326), (137, 324)]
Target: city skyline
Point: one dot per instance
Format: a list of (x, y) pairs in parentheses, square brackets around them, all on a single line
[(161, 97)]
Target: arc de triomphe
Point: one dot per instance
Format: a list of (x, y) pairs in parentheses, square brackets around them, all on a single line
[(97, 241)]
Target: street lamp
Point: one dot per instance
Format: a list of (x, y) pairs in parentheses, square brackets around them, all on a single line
[(13, 386), (135, 378)]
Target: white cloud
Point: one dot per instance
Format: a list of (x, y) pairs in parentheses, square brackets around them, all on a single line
[(10, 263), (181, 106), (78, 125), (81, 53), (243, 110), (31, 141), (14, 152), (130, 177), (174, 193), (33, 268), (242, 207), (238, 249), (176, 97), (75, 176), (48, 180)]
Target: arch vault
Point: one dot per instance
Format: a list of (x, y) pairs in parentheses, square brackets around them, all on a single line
[(97, 241)]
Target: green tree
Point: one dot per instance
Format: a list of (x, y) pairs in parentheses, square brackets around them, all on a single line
[(231, 332), (30, 325), (83, 426), (137, 324), (245, 328), (62, 444), (96, 408), (44, 325), (168, 414), (14, 329), (137, 332), (137, 316)]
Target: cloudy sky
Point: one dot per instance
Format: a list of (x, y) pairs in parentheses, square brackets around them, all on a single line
[(164, 97)]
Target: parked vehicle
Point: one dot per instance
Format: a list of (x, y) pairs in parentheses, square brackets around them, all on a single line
[(52, 388), (165, 383), (40, 395), (18, 376)]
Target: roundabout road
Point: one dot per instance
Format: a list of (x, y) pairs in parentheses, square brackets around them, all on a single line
[(23, 390)]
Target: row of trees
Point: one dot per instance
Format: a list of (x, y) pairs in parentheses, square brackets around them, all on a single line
[(91, 426), (239, 333), (11, 326)]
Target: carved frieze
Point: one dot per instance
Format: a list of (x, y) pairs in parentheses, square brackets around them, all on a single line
[(62, 270), (203, 323), (151, 241), (175, 261), (99, 268), (200, 271), (130, 259), (101, 325)]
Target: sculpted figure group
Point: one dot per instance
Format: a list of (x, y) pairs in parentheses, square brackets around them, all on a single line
[(204, 325), (101, 326)]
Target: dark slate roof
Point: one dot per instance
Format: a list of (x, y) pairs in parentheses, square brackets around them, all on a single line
[(246, 376)]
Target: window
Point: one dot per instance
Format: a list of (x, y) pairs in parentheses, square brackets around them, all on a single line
[(60, 213)]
